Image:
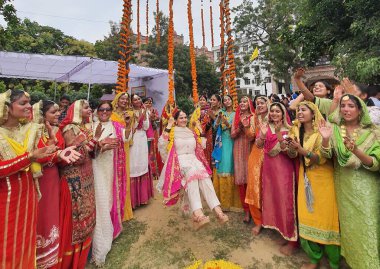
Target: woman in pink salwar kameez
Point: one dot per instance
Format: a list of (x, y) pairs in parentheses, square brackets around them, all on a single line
[(278, 178)]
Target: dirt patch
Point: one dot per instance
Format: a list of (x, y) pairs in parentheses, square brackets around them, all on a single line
[(161, 237)]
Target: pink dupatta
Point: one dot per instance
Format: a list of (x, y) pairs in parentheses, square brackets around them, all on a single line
[(173, 176), (119, 182)]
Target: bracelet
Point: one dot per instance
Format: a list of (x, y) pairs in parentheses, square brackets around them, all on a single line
[(309, 154)]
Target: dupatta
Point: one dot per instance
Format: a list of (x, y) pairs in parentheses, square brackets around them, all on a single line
[(173, 177), (342, 153), (119, 190)]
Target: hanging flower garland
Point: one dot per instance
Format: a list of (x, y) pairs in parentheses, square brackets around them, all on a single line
[(125, 48), (158, 22), (192, 54), (222, 61), (147, 22), (171, 53), (211, 25), (203, 26), (231, 57), (138, 24)]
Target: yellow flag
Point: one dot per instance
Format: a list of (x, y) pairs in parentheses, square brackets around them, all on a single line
[(254, 55)]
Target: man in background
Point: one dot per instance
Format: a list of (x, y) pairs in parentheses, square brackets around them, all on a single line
[(64, 103)]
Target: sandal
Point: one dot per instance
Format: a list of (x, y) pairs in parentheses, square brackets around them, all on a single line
[(200, 221), (223, 218)]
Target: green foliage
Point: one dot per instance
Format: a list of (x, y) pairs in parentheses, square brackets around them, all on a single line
[(301, 32)]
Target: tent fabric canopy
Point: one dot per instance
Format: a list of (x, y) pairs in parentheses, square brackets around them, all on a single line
[(76, 69)]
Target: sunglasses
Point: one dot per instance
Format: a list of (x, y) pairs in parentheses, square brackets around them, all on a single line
[(105, 109)]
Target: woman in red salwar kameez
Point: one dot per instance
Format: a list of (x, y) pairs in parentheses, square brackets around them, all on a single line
[(18, 196), (77, 204), (47, 113)]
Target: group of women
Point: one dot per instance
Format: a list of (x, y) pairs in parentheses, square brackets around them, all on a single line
[(68, 186), (314, 180)]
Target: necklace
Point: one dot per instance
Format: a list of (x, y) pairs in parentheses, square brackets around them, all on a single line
[(353, 136)]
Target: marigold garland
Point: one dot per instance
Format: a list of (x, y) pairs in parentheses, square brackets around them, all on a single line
[(158, 22), (171, 53), (125, 48), (231, 57), (138, 24), (203, 26), (211, 25), (222, 58), (147, 22), (216, 264), (192, 54)]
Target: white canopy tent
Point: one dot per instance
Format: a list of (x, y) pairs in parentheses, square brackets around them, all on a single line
[(86, 70)]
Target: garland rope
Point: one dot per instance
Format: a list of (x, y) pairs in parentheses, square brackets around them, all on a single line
[(231, 57), (147, 22), (222, 57), (192, 53), (211, 25), (158, 22), (171, 54), (138, 24), (125, 48)]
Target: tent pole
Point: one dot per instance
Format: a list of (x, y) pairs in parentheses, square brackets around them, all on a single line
[(88, 92), (55, 91)]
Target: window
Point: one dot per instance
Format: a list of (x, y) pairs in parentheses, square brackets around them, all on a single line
[(247, 81), (257, 68), (257, 92), (268, 79), (253, 81), (247, 70)]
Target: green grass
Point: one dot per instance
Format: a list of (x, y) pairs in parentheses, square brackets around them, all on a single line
[(122, 245)]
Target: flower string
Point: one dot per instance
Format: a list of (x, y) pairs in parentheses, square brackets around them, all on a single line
[(147, 22), (211, 25), (171, 54), (158, 22), (125, 48), (192, 54), (222, 59)]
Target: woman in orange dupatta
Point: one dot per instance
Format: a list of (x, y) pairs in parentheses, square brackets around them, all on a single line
[(120, 105), (77, 204), (255, 163)]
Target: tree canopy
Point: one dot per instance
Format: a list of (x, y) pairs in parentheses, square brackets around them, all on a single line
[(301, 32)]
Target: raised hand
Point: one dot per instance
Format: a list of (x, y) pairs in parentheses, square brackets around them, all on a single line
[(277, 127), (324, 129), (69, 155), (171, 122), (52, 139), (98, 131), (42, 153), (245, 121), (348, 86), (300, 72), (263, 129), (338, 92)]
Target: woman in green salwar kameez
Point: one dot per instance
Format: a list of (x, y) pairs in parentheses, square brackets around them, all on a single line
[(353, 141)]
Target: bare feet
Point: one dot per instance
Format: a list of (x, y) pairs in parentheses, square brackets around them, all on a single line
[(288, 249), (309, 266), (247, 217), (256, 230), (281, 241)]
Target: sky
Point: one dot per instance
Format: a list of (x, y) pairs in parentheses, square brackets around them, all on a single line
[(89, 19)]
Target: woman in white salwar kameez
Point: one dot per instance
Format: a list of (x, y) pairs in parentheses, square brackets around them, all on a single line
[(109, 181), (186, 168), (141, 179)]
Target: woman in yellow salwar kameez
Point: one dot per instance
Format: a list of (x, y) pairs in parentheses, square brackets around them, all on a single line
[(120, 105), (317, 208)]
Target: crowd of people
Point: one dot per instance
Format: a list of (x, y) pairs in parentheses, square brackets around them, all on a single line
[(306, 166)]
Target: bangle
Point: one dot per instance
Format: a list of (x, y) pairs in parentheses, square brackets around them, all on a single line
[(168, 130), (309, 154)]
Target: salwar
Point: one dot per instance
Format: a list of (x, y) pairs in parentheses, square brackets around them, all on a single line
[(227, 192), (315, 252), (242, 192), (141, 190), (256, 214), (193, 190)]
